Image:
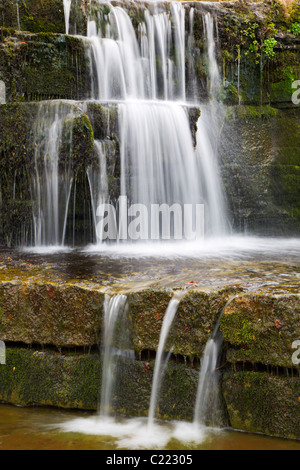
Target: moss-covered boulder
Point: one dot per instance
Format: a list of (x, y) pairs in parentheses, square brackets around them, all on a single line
[(77, 143), (64, 316), (261, 403), (36, 16), (43, 66), (262, 328)]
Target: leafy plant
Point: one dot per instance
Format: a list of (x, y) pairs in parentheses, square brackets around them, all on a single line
[(268, 47), (295, 29)]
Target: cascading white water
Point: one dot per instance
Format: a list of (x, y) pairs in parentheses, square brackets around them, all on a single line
[(207, 400), (214, 75), (113, 308), (157, 377), (157, 154), (208, 170), (98, 179), (67, 11), (51, 187), (146, 74), (207, 395), (143, 66), (209, 125), (159, 164)]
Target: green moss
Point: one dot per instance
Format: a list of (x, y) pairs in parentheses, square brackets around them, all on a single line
[(240, 332), (82, 143), (74, 381), (42, 16), (31, 66), (231, 95), (286, 188), (282, 90), (256, 112), (260, 403), (258, 329)]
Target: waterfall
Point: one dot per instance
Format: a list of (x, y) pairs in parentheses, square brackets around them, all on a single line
[(207, 395), (51, 185), (214, 75), (98, 179), (157, 377), (67, 11), (145, 74), (143, 66), (157, 153), (207, 400), (211, 182), (208, 133), (113, 308)]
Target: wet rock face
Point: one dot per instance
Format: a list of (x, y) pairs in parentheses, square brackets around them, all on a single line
[(258, 402), (261, 329), (261, 174), (19, 140), (69, 316), (43, 66), (74, 381), (33, 15), (51, 315), (262, 390)]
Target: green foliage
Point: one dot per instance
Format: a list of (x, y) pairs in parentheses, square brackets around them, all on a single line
[(250, 32), (268, 47), (295, 29)]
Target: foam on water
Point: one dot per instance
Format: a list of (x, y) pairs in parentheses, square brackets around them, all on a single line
[(233, 247), (136, 434), (47, 250)]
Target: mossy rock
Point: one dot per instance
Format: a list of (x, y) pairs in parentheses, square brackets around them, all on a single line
[(194, 322), (74, 381), (44, 66), (36, 16), (64, 316), (262, 328), (260, 403), (78, 143)]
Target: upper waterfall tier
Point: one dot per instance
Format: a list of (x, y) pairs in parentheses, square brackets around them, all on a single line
[(144, 63)]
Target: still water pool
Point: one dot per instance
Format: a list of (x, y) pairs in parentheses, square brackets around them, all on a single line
[(51, 429)]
